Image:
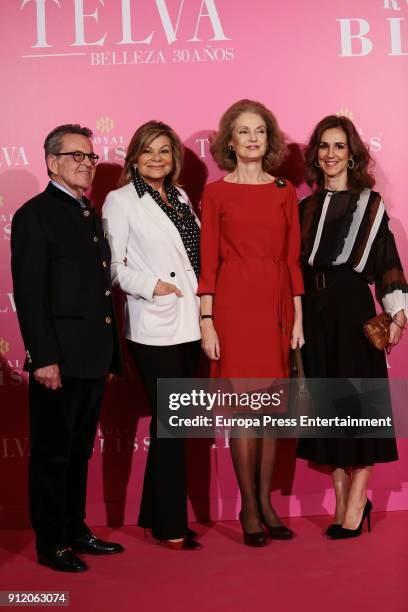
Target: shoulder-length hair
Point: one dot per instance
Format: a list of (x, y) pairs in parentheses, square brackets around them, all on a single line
[(276, 148), (142, 138), (358, 177)]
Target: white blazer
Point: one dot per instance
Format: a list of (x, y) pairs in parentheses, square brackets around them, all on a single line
[(146, 246)]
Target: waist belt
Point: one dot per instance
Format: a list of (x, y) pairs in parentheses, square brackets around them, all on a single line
[(320, 279)]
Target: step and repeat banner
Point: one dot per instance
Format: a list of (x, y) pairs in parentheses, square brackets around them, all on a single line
[(114, 64)]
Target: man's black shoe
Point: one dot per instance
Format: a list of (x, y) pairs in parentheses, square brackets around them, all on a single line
[(61, 559), (92, 545)]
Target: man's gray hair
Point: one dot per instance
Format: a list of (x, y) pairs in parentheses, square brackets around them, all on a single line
[(52, 144)]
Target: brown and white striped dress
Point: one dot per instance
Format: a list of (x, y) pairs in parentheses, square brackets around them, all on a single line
[(346, 245)]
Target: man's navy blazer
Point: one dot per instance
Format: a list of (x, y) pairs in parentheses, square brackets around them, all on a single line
[(62, 288)]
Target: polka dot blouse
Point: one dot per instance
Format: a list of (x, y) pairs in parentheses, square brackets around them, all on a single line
[(179, 213)]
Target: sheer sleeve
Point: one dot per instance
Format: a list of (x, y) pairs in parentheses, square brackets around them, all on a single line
[(391, 288), (210, 244)]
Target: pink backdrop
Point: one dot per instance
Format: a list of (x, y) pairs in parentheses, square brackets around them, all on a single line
[(112, 65)]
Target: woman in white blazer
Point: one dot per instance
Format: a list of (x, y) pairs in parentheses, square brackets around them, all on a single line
[(154, 237)]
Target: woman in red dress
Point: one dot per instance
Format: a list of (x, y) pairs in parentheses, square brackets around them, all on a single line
[(250, 286)]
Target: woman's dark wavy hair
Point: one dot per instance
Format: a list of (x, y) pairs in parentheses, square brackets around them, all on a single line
[(358, 177)]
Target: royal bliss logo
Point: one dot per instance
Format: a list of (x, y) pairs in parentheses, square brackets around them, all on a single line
[(374, 142), (10, 370), (192, 31), (4, 347), (114, 441), (105, 125), (11, 373), (110, 146), (6, 218)]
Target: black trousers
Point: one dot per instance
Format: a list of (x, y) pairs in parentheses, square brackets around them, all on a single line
[(62, 428), (163, 507)]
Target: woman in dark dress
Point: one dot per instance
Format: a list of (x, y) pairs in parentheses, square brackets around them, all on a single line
[(346, 244)]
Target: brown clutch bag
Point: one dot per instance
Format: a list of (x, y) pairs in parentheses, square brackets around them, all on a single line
[(377, 331)]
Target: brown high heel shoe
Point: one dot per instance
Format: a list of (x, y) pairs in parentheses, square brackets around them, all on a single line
[(257, 539)]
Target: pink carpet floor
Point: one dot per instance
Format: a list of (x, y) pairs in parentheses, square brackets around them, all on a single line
[(309, 573)]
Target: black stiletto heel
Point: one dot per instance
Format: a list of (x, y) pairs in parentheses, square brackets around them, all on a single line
[(343, 534)]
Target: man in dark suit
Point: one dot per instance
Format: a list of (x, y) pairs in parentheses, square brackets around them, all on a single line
[(61, 275)]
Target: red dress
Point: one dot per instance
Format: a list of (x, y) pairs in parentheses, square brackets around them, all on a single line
[(250, 244)]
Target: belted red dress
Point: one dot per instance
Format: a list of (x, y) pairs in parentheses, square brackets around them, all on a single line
[(250, 245)]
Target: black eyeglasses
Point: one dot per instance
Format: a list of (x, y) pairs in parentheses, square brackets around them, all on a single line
[(79, 156)]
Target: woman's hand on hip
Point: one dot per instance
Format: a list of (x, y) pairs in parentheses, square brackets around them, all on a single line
[(298, 337), (163, 288), (209, 340)]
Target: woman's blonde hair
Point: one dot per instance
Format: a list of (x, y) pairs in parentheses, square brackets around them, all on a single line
[(142, 138)]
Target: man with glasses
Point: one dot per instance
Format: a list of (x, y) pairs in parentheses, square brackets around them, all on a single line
[(61, 276)]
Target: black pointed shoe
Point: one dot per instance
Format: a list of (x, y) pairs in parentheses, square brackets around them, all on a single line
[(277, 532), (91, 545), (280, 532), (332, 529), (343, 534), (61, 559)]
